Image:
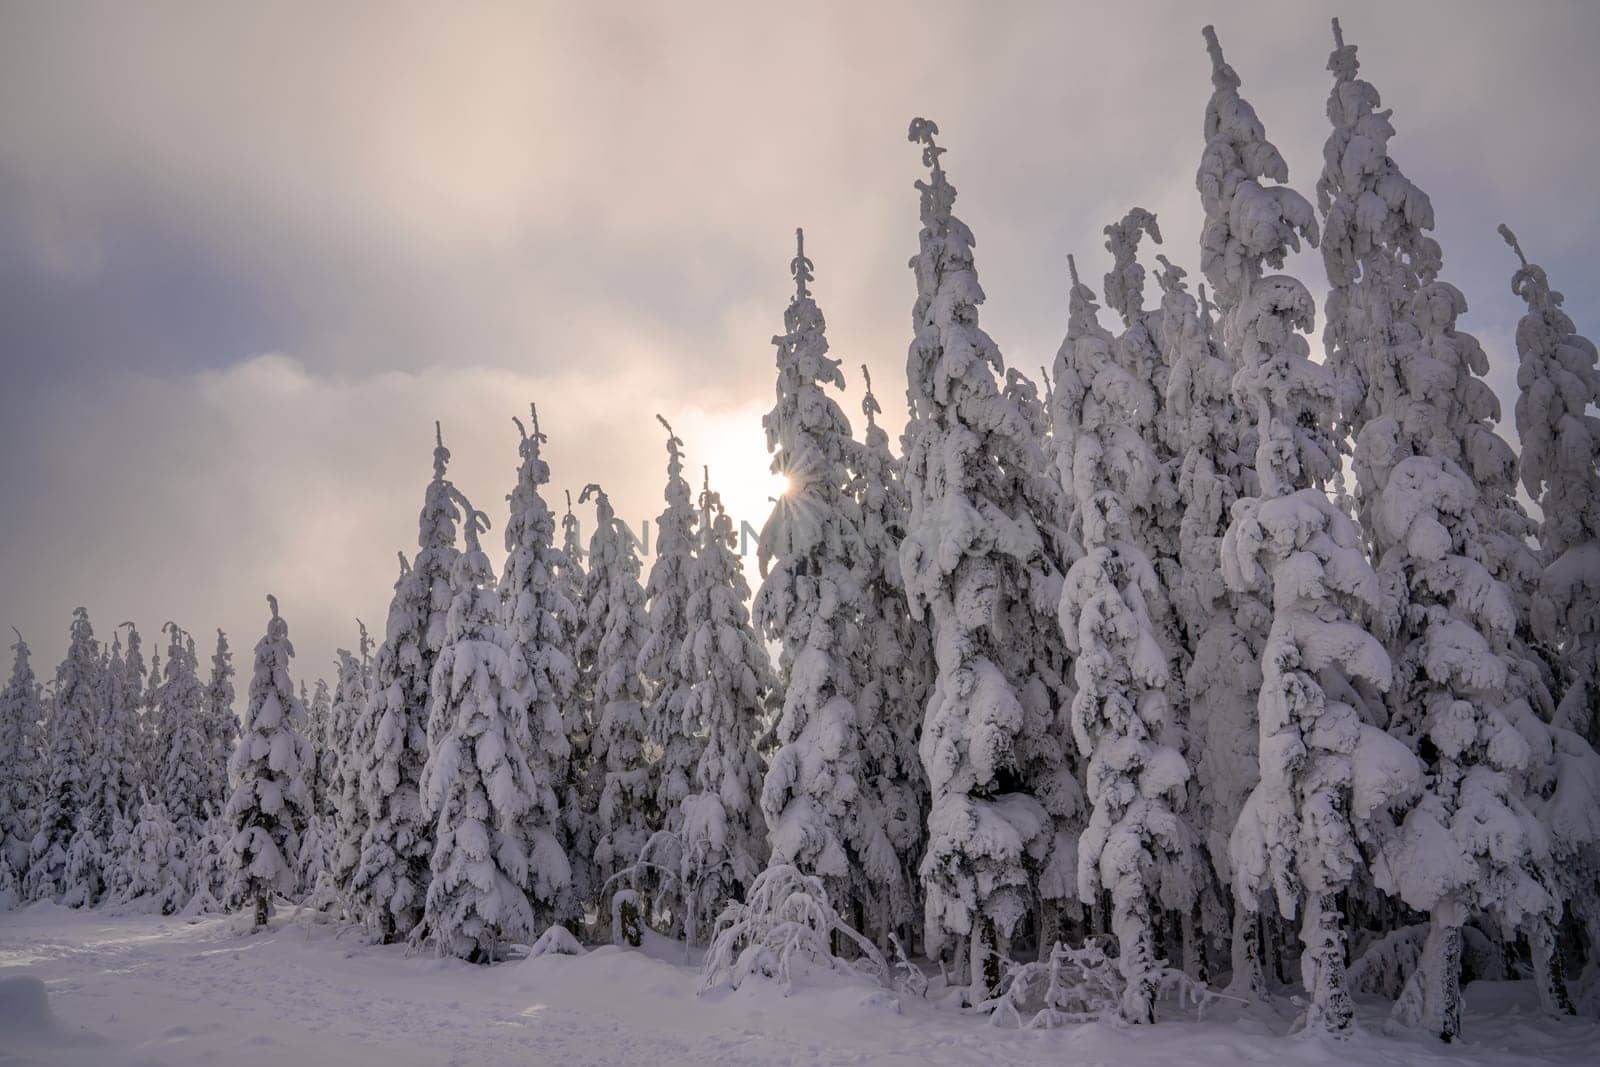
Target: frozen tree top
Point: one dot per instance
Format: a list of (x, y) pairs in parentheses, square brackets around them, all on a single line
[(1247, 223)]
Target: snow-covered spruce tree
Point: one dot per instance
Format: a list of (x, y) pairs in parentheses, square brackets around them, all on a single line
[(114, 872), (818, 817), (157, 876), (318, 861), (319, 842), (111, 770), (1156, 513), (150, 714), (270, 802), (667, 596), (208, 867), (477, 786), (1039, 661), (728, 675), (1223, 631), (187, 745), (579, 797), (222, 725), (1560, 468), (534, 614), (966, 541), (21, 710), (391, 878), (1323, 772), (608, 654), (79, 689), (892, 663), (1120, 713), (351, 734), (122, 742), (319, 732), (1434, 485), (1560, 465), (1154, 521)]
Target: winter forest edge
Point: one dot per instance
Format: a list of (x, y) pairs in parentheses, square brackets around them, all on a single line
[(1198, 668)]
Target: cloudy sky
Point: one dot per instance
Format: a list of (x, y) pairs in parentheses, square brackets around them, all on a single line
[(248, 253)]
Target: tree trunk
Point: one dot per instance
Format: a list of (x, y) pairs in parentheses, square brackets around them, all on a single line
[(1135, 933), (261, 910), (1049, 928), (1248, 978), (1329, 1010), (1431, 998), (1549, 970), (1194, 956), (983, 964)]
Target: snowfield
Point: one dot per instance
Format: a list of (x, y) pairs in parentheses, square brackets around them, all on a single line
[(148, 990)]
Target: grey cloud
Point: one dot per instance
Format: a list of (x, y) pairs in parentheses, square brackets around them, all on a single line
[(447, 210)]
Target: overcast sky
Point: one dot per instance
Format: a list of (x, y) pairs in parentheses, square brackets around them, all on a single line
[(249, 252)]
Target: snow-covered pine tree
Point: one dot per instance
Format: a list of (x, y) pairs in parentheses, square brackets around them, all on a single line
[(1560, 467), (111, 775), (351, 735), (729, 677), (208, 867), (319, 732), (892, 665), (130, 686), (319, 844), (477, 785), (1039, 661), (270, 802), (608, 654), (1120, 715), (1223, 631), (966, 541), (667, 596), (187, 743), (1156, 513), (534, 615), (1322, 771), (1154, 517), (818, 817), (579, 797), (222, 725), (79, 690), (1434, 486), (391, 878), (21, 710), (157, 876), (114, 871), (150, 712)]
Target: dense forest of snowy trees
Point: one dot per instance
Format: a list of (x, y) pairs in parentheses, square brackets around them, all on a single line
[(1199, 662)]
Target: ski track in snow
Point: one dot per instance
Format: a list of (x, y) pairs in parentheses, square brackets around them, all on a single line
[(153, 991)]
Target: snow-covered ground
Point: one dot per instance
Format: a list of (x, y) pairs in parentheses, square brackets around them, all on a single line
[(145, 990)]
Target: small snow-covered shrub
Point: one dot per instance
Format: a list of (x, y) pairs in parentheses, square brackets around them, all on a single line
[(627, 924), (10, 886), (785, 927), (210, 882), (1078, 985), (908, 977), (1384, 965), (556, 941), (154, 866)]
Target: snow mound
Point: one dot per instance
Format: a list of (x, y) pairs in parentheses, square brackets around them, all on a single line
[(556, 941)]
